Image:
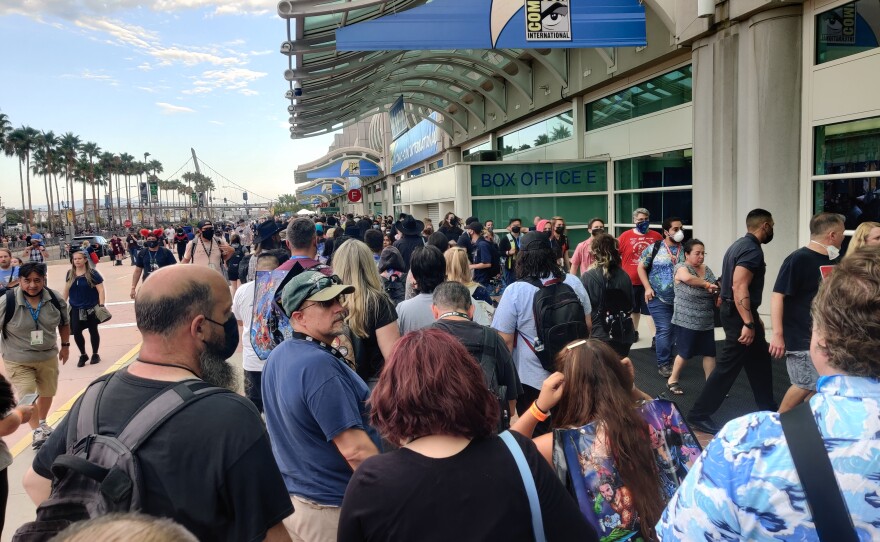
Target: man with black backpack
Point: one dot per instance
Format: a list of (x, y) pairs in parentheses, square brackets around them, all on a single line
[(453, 310), (166, 435), (545, 309)]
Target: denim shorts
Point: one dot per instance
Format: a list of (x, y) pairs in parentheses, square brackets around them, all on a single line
[(801, 370)]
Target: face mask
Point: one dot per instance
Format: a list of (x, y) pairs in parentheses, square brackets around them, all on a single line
[(597, 231), (833, 251), (152, 244), (678, 236), (230, 332), (769, 237), (643, 227), (516, 229), (560, 229), (208, 234)]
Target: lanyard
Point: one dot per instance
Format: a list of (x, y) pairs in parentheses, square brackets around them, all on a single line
[(338, 354), (208, 252), (35, 313)]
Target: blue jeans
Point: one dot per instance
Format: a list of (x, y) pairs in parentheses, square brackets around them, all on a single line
[(134, 254), (662, 314), (509, 277)]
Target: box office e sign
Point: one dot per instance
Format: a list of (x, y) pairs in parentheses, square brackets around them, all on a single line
[(528, 179)]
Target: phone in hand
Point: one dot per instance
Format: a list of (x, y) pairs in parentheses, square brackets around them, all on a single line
[(28, 399)]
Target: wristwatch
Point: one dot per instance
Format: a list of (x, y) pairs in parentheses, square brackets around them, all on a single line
[(65, 344), (750, 325)]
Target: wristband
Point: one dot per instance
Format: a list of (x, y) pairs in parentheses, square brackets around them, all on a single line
[(65, 344), (536, 412)]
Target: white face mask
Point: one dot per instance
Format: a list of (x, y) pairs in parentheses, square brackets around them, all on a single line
[(833, 251), (678, 237)]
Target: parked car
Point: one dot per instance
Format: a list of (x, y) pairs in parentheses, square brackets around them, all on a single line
[(99, 243)]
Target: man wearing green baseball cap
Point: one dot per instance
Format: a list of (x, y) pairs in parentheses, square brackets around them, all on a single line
[(315, 407)]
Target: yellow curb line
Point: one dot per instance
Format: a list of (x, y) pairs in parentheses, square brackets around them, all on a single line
[(56, 416)]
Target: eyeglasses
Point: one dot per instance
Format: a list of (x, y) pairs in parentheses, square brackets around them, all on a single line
[(329, 304)]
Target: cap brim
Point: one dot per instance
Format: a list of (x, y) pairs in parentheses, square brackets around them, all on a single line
[(331, 292)]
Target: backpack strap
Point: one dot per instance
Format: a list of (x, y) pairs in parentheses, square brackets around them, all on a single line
[(83, 420), (528, 480), (65, 319), (654, 255), (10, 309), (830, 515)]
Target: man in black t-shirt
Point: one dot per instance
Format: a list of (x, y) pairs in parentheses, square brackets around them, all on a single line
[(796, 286), (149, 260), (454, 312), (745, 346), (209, 466), (508, 246), (481, 254)]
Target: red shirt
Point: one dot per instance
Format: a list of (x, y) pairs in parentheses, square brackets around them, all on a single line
[(632, 244)]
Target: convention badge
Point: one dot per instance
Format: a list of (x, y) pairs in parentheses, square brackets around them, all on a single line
[(37, 337), (212, 266), (154, 267)]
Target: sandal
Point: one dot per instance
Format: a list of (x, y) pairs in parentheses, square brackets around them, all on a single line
[(675, 388)]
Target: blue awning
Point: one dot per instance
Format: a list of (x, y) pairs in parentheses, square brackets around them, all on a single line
[(501, 24), (345, 168)]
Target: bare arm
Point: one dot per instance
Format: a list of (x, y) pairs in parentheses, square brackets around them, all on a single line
[(508, 339), (777, 309), (187, 255), (135, 277), (683, 276), (37, 487), (480, 265), (742, 277), (278, 533), (643, 277), (589, 320), (16, 417), (100, 288), (355, 446), (387, 336)]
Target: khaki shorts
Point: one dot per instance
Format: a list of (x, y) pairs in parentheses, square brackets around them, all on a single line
[(37, 376), (312, 522)]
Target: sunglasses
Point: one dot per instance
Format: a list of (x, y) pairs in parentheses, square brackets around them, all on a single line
[(329, 304)]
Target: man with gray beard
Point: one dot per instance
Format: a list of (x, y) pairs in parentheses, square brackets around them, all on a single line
[(208, 466)]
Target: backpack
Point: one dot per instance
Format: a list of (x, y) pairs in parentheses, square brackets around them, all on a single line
[(11, 305), (495, 269), (395, 288), (99, 473), (559, 319), (615, 314)]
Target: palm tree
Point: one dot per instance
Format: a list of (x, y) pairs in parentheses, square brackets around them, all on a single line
[(40, 166), (108, 165), (25, 139), (68, 148), (90, 151), (9, 147), (126, 166), (48, 144)]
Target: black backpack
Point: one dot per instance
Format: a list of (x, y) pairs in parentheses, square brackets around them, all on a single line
[(559, 319), (11, 305), (615, 314), (395, 287), (99, 474)]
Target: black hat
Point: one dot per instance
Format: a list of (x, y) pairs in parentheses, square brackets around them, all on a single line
[(534, 240), (408, 225), (203, 223), (266, 230)]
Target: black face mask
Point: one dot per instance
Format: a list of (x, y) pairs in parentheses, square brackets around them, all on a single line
[(516, 229), (208, 234), (230, 332), (560, 229), (152, 244)]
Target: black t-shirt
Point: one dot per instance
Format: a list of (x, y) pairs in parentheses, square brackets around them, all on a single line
[(798, 281), (146, 258), (470, 334), (504, 247), (594, 282), (209, 467), (481, 252), (464, 241), (368, 356), (477, 494), (407, 245), (452, 233), (744, 252)]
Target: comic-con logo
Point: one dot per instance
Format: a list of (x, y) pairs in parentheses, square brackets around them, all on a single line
[(548, 20)]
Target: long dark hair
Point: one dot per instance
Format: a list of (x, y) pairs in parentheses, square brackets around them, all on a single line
[(597, 389), (7, 397), (538, 263)]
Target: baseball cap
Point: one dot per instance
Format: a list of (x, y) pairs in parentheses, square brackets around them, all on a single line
[(311, 286), (203, 223), (534, 240), (475, 226)]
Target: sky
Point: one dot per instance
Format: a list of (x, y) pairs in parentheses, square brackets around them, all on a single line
[(157, 76)]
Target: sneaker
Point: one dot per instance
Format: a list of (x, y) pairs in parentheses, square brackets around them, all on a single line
[(665, 371), (82, 360), (95, 359), (39, 438), (46, 429), (637, 337), (654, 343)]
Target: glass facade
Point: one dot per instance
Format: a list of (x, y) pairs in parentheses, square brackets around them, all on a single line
[(577, 210), (661, 183), (846, 148), (662, 92), (481, 147), (549, 130), (847, 30)]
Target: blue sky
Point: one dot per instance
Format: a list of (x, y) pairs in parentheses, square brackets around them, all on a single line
[(157, 76)]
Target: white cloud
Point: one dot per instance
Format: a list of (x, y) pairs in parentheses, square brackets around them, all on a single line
[(145, 67), (248, 92), (70, 9), (168, 109), (147, 89), (259, 53), (217, 122), (230, 79), (93, 76), (196, 90)]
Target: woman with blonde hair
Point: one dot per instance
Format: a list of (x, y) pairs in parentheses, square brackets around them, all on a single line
[(867, 234), (458, 269), (371, 320), (84, 291)]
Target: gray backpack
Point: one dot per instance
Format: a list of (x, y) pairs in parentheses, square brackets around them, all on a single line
[(100, 474)]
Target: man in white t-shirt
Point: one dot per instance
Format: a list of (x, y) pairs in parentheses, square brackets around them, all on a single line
[(243, 309), (169, 237)]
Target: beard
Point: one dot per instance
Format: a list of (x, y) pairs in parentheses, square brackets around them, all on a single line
[(215, 370)]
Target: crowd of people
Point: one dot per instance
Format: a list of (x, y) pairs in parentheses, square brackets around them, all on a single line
[(424, 384)]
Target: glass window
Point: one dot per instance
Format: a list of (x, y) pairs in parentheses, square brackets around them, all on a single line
[(396, 193), (661, 204), (662, 92), (847, 30), (549, 130), (482, 147), (856, 199), (662, 170), (847, 147), (576, 209)]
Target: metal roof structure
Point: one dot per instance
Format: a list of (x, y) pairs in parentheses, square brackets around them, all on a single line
[(341, 87)]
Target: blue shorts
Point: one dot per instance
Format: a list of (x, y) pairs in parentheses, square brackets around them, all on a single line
[(640, 306)]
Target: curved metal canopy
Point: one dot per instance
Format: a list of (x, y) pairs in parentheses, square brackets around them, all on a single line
[(339, 88)]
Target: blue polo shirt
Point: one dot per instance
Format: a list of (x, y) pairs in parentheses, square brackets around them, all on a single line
[(310, 397)]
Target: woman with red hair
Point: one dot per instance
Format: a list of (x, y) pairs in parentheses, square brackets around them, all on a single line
[(452, 478)]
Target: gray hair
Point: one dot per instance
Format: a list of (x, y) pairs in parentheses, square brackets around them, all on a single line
[(165, 312), (641, 211), (300, 233), (125, 527), (452, 295)]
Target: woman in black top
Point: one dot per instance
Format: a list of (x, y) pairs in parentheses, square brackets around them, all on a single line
[(180, 241), (452, 478), (131, 243), (609, 289)]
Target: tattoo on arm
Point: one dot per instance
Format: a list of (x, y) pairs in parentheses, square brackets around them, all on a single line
[(743, 303)]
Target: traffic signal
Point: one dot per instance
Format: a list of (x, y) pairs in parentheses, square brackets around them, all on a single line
[(224, 200), (145, 195), (244, 196)]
